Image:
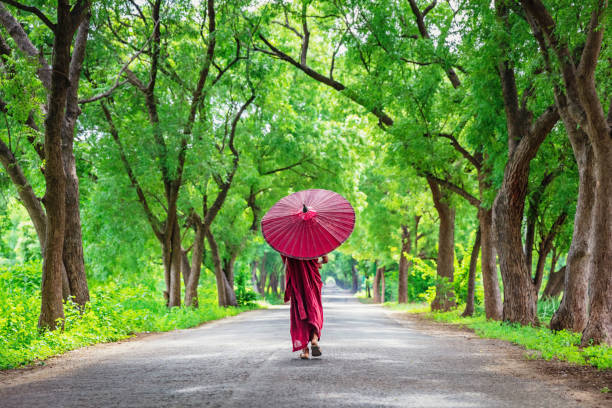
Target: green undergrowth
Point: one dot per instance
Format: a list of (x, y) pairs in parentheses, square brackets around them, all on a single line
[(119, 308), (540, 342)]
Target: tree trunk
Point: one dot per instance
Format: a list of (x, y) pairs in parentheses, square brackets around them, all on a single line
[(469, 302), (520, 297), (402, 287), (73, 239), (490, 281), (228, 270), (262, 275), (224, 276), (254, 281), (382, 285), (65, 285), (572, 312), (525, 137), (554, 286), (173, 262), (191, 287), (55, 177), (185, 266), (274, 283), (599, 325), (354, 276), (377, 283), (585, 109), (219, 274), (445, 268)]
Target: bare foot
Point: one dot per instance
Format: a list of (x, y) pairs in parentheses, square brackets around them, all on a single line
[(305, 355)]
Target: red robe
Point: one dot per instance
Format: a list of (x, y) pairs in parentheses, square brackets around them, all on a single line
[(304, 289)]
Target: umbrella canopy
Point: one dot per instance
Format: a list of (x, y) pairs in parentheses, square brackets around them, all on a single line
[(308, 224)]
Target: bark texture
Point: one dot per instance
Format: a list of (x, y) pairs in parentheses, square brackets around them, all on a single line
[(445, 268), (73, 240), (580, 103), (524, 139), (490, 281), (55, 177), (554, 286), (378, 284)]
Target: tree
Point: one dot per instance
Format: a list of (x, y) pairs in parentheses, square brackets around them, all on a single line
[(62, 244), (583, 115)]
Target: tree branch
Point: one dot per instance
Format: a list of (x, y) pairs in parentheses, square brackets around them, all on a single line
[(32, 10), (472, 159), (377, 111), (17, 33), (123, 69), (153, 221), (454, 188), (279, 169)]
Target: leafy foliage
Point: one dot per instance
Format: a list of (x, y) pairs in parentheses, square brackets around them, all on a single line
[(119, 309)]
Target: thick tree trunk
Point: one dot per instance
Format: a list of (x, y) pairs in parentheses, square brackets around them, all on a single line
[(469, 301), (55, 177), (599, 324), (490, 281), (73, 240), (525, 137), (598, 329), (520, 297), (191, 287), (355, 276), (402, 287), (585, 109), (572, 313), (445, 268)]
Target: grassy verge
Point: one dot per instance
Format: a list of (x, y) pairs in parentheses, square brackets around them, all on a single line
[(540, 341), (118, 309)]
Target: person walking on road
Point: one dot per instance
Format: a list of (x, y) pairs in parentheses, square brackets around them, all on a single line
[(303, 289), (304, 227)]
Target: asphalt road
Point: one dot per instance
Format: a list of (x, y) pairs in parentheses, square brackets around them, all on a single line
[(369, 360)]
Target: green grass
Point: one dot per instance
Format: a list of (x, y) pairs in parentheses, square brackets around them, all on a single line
[(118, 309), (541, 341)]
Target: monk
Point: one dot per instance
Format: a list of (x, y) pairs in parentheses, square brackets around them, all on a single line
[(303, 288)]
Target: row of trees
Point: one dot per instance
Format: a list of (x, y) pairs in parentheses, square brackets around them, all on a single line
[(448, 83), (451, 123), (170, 115)]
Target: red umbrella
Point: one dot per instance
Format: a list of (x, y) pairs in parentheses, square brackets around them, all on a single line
[(309, 223)]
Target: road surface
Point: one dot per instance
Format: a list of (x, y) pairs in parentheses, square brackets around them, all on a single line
[(369, 360)]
